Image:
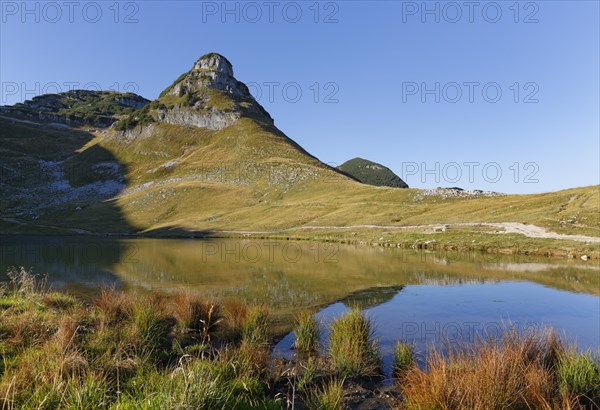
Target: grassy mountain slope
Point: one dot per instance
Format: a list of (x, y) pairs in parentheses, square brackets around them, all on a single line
[(158, 172)]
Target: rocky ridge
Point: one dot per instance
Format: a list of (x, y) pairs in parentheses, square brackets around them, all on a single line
[(77, 107)]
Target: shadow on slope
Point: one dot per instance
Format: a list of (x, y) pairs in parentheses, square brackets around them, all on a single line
[(57, 180)]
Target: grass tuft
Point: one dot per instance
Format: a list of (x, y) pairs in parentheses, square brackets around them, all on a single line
[(404, 358), (234, 317), (578, 377), (122, 353), (114, 306), (329, 396), (24, 282), (352, 350), (255, 328), (307, 333), (149, 328), (194, 313)]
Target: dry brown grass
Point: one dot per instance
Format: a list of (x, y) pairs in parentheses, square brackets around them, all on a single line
[(68, 331), (24, 282), (57, 352), (515, 372), (195, 313), (113, 306), (235, 314)]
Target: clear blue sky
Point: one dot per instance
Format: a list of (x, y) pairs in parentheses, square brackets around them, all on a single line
[(375, 56)]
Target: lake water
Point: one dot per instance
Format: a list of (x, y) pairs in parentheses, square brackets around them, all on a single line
[(416, 296)]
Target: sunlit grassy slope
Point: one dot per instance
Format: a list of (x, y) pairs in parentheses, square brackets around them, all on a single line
[(251, 177)]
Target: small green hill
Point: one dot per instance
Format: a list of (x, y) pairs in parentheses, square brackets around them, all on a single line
[(372, 173)]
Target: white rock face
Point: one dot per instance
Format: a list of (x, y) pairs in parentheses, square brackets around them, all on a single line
[(213, 71), (214, 62), (130, 102), (213, 119)]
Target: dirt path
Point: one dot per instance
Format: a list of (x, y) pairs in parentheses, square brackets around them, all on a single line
[(530, 231), (533, 231)]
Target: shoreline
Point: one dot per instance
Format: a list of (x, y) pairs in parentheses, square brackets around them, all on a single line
[(463, 238)]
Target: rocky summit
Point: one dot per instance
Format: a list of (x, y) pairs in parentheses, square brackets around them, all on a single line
[(210, 71), (207, 96)]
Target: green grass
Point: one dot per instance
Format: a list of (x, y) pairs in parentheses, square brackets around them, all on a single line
[(579, 375), (404, 357), (123, 351), (352, 349), (330, 396), (255, 327), (307, 333), (148, 329)]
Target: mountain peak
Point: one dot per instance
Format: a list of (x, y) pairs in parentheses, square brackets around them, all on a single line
[(211, 71), (206, 96), (214, 62)]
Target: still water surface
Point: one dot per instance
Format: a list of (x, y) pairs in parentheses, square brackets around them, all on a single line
[(412, 295)]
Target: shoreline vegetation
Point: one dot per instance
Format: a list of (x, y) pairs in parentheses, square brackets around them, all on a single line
[(462, 240), (180, 351)]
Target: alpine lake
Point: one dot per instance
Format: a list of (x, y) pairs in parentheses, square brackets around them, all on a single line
[(424, 298)]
